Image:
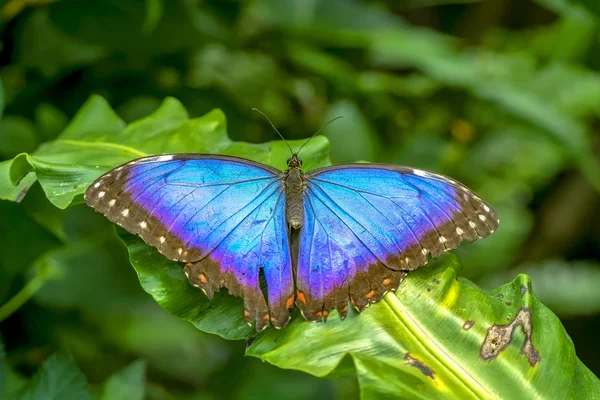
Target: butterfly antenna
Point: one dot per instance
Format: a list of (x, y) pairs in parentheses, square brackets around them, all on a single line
[(317, 132), (273, 125)]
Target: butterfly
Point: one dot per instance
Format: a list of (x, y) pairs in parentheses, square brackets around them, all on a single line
[(319, 240)]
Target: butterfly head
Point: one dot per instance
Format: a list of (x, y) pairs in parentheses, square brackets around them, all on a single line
[(294, 161)]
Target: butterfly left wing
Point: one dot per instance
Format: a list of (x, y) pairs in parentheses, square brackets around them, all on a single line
[(366, 225), (223, 216)]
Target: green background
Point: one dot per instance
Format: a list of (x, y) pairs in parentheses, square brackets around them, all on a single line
[(501, 95)]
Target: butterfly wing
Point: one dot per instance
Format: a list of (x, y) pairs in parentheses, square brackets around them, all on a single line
[(365, 225), (223, 216)]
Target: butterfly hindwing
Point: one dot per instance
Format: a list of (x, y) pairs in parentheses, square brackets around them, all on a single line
[(221, 215), (366, 225)]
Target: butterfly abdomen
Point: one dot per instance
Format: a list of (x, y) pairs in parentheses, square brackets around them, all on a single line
[(294, 208)]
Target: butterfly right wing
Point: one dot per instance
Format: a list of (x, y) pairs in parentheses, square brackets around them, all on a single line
[(366, 225), (223, 216)]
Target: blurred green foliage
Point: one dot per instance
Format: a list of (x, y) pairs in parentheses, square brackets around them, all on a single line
[(504, 96)]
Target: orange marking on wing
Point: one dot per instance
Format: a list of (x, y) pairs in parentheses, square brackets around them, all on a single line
[(370, 294), (387, 281), (301, 297), (289, 302), (202, 278)]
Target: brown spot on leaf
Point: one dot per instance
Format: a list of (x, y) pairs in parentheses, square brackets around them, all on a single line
[(500, 296), (436, 281), (429, 289), (413, 362), (468, 325), (508, 303), (500, 336)]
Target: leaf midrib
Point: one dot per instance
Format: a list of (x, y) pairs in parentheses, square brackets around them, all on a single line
[(435, 351)]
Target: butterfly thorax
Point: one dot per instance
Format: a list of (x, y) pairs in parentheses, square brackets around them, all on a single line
[(294, 189)]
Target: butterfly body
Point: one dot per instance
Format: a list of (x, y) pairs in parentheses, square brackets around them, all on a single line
[(320, 240), (294, 189)]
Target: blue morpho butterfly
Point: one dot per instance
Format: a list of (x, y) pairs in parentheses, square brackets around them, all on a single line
[(322, 238)]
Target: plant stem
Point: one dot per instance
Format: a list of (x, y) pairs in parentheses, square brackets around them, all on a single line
[(22, 296)]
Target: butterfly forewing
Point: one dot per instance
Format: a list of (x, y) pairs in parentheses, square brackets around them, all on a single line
[(224, 216)]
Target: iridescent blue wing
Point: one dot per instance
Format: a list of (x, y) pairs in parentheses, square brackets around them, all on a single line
[(223, 216), (365, 225)]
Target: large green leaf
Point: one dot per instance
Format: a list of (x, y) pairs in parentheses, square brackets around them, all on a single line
[(417, 343), (438, 336)]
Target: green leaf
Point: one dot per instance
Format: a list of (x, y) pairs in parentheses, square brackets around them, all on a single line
[(9, 191), (126, 384), (97, 140), (417, 342), (427, 341), (58, 379)]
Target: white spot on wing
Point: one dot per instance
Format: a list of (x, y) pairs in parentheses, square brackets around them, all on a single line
[(180, 250), (101, 194), (419, 172), (472, 224), (112, 203), (442, 239), (143, 225), (459, 231), (482, 217), (168, 157), (96, 185), (424, 251), (125, 212), (486, 208), (162, 239)]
